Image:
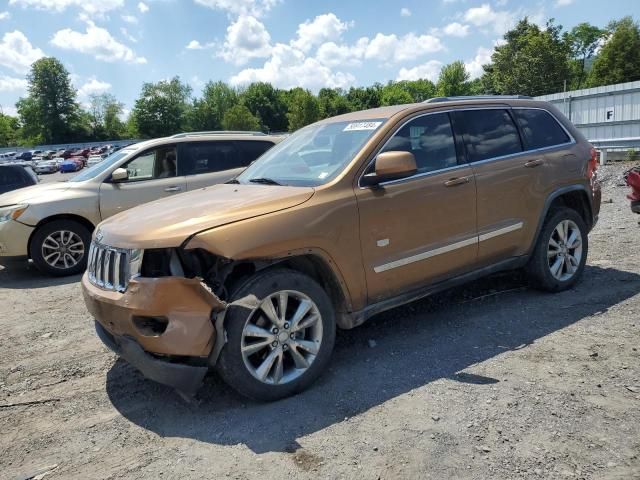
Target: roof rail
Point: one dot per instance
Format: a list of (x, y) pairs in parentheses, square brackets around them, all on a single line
[(478, 97), (216, 132)]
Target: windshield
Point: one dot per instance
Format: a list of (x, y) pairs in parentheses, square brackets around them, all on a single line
[(98, 168), (312, 156)]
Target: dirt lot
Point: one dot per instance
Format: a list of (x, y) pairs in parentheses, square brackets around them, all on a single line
[(488, 381)]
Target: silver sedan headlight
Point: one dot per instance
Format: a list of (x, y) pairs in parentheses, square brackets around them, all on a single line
[(11, 212)]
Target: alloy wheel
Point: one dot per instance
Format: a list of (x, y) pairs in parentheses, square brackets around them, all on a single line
[(282, 337), (63, 249), (564, 251)]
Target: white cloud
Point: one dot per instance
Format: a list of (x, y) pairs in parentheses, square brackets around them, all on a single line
[(194, 45), (246, 38), (10, 110), (288, 67), (94, 7), (323, 28), (563, 3), (93, 87), (17, 53), (11, 84), (130, 19), (405, 12), (484, 16), (255, 8), (95, 41), (474, 66), (429, 70), (143, 7), (456, 29), (391, 48), (5, 15), (334, 55), (501, 3), (125, 33)]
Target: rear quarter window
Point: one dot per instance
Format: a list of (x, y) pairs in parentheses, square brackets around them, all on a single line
[(539, 129)]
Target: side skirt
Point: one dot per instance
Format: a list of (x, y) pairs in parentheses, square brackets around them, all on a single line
[(359, 317)]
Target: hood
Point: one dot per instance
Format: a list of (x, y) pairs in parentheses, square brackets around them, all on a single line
[(170, 221), (33, 193)]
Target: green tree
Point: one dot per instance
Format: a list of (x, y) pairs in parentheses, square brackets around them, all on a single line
[(267, 104), (363, 98), (453, 80), (619, 59), (49, 109), (533, 61), (104, 117), (304, 108), (420, 90), (240, 117), (207, 112), (162, 108), (394, 93), (9, 130), (332, 102), (583, 39)]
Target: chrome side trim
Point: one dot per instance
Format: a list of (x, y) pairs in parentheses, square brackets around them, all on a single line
[(500, 231), (423, 256), (448, 248)]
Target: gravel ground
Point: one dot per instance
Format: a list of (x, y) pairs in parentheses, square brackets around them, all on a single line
[(492, 380)]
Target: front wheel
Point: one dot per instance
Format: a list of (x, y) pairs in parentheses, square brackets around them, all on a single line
[(61, 247), (560, 255), (278, 344)]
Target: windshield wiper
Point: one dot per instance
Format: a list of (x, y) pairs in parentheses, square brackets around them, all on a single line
[(266, 181)]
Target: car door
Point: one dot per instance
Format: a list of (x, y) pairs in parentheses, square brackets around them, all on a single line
[(504, 181), (421, 229), (152, 175)]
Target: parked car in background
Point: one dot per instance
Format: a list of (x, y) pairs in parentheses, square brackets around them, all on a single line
[(13, 177), (24, 156), (345, 218), (138, 174), (47, 166), (71, 165), (94, 160)]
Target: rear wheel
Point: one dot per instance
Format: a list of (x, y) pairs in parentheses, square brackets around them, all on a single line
[(61, 247), (560, 255), (282, 342)]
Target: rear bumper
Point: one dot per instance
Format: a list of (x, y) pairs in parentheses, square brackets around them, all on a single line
[(14, 239), (183, 377)]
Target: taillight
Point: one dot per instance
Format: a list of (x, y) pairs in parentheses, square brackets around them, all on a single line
[(592, 166)]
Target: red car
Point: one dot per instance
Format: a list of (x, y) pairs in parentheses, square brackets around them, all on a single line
[(632, 177)]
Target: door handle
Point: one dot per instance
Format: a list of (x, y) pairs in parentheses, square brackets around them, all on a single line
[(534, 163), (175, 188), (456, 181)]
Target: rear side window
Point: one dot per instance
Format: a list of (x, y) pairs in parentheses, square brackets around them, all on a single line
[(539, 128), (430, 139), (11, 176), (209, 157), (489, 134), (251, 150)]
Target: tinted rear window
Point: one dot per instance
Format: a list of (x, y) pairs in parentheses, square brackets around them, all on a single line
[(11, 176), (489, 134), (539, 129), (252, 149)]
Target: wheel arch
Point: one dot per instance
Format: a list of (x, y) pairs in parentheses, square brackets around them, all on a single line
[(63, 216)]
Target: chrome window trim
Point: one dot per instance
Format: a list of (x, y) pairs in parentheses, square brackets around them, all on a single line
[(476, 239), (480, 162)]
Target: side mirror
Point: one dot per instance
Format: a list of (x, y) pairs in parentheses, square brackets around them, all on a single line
[(391, 165), (119, 174)]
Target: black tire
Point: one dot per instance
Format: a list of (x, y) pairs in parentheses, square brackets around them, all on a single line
[(539, 269), (36, 247), (231, 365)]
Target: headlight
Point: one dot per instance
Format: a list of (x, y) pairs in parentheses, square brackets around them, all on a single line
[(12, 212), (135, 262)]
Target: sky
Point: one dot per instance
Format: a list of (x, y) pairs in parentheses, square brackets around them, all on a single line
[(115, 45)]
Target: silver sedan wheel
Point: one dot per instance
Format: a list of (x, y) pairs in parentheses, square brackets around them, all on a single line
[(63, 249), (565, 250), (282, 337)]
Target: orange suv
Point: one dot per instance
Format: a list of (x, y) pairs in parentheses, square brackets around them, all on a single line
[(345, 218)]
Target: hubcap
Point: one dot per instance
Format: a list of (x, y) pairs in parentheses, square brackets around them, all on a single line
[(62, 249), (282, 337), (565, 250)]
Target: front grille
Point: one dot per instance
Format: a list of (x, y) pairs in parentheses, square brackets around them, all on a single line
[(108, 267)]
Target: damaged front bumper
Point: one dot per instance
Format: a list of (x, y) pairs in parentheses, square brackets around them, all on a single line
[(162, 326)]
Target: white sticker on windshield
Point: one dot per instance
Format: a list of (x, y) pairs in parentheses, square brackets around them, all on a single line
[(362, 126)]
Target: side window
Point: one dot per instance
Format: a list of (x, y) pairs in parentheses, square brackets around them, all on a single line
[(489, 133), (251, 150), (539, 128), (152, 164), (430, 139), (10, 176), (209, 157)]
